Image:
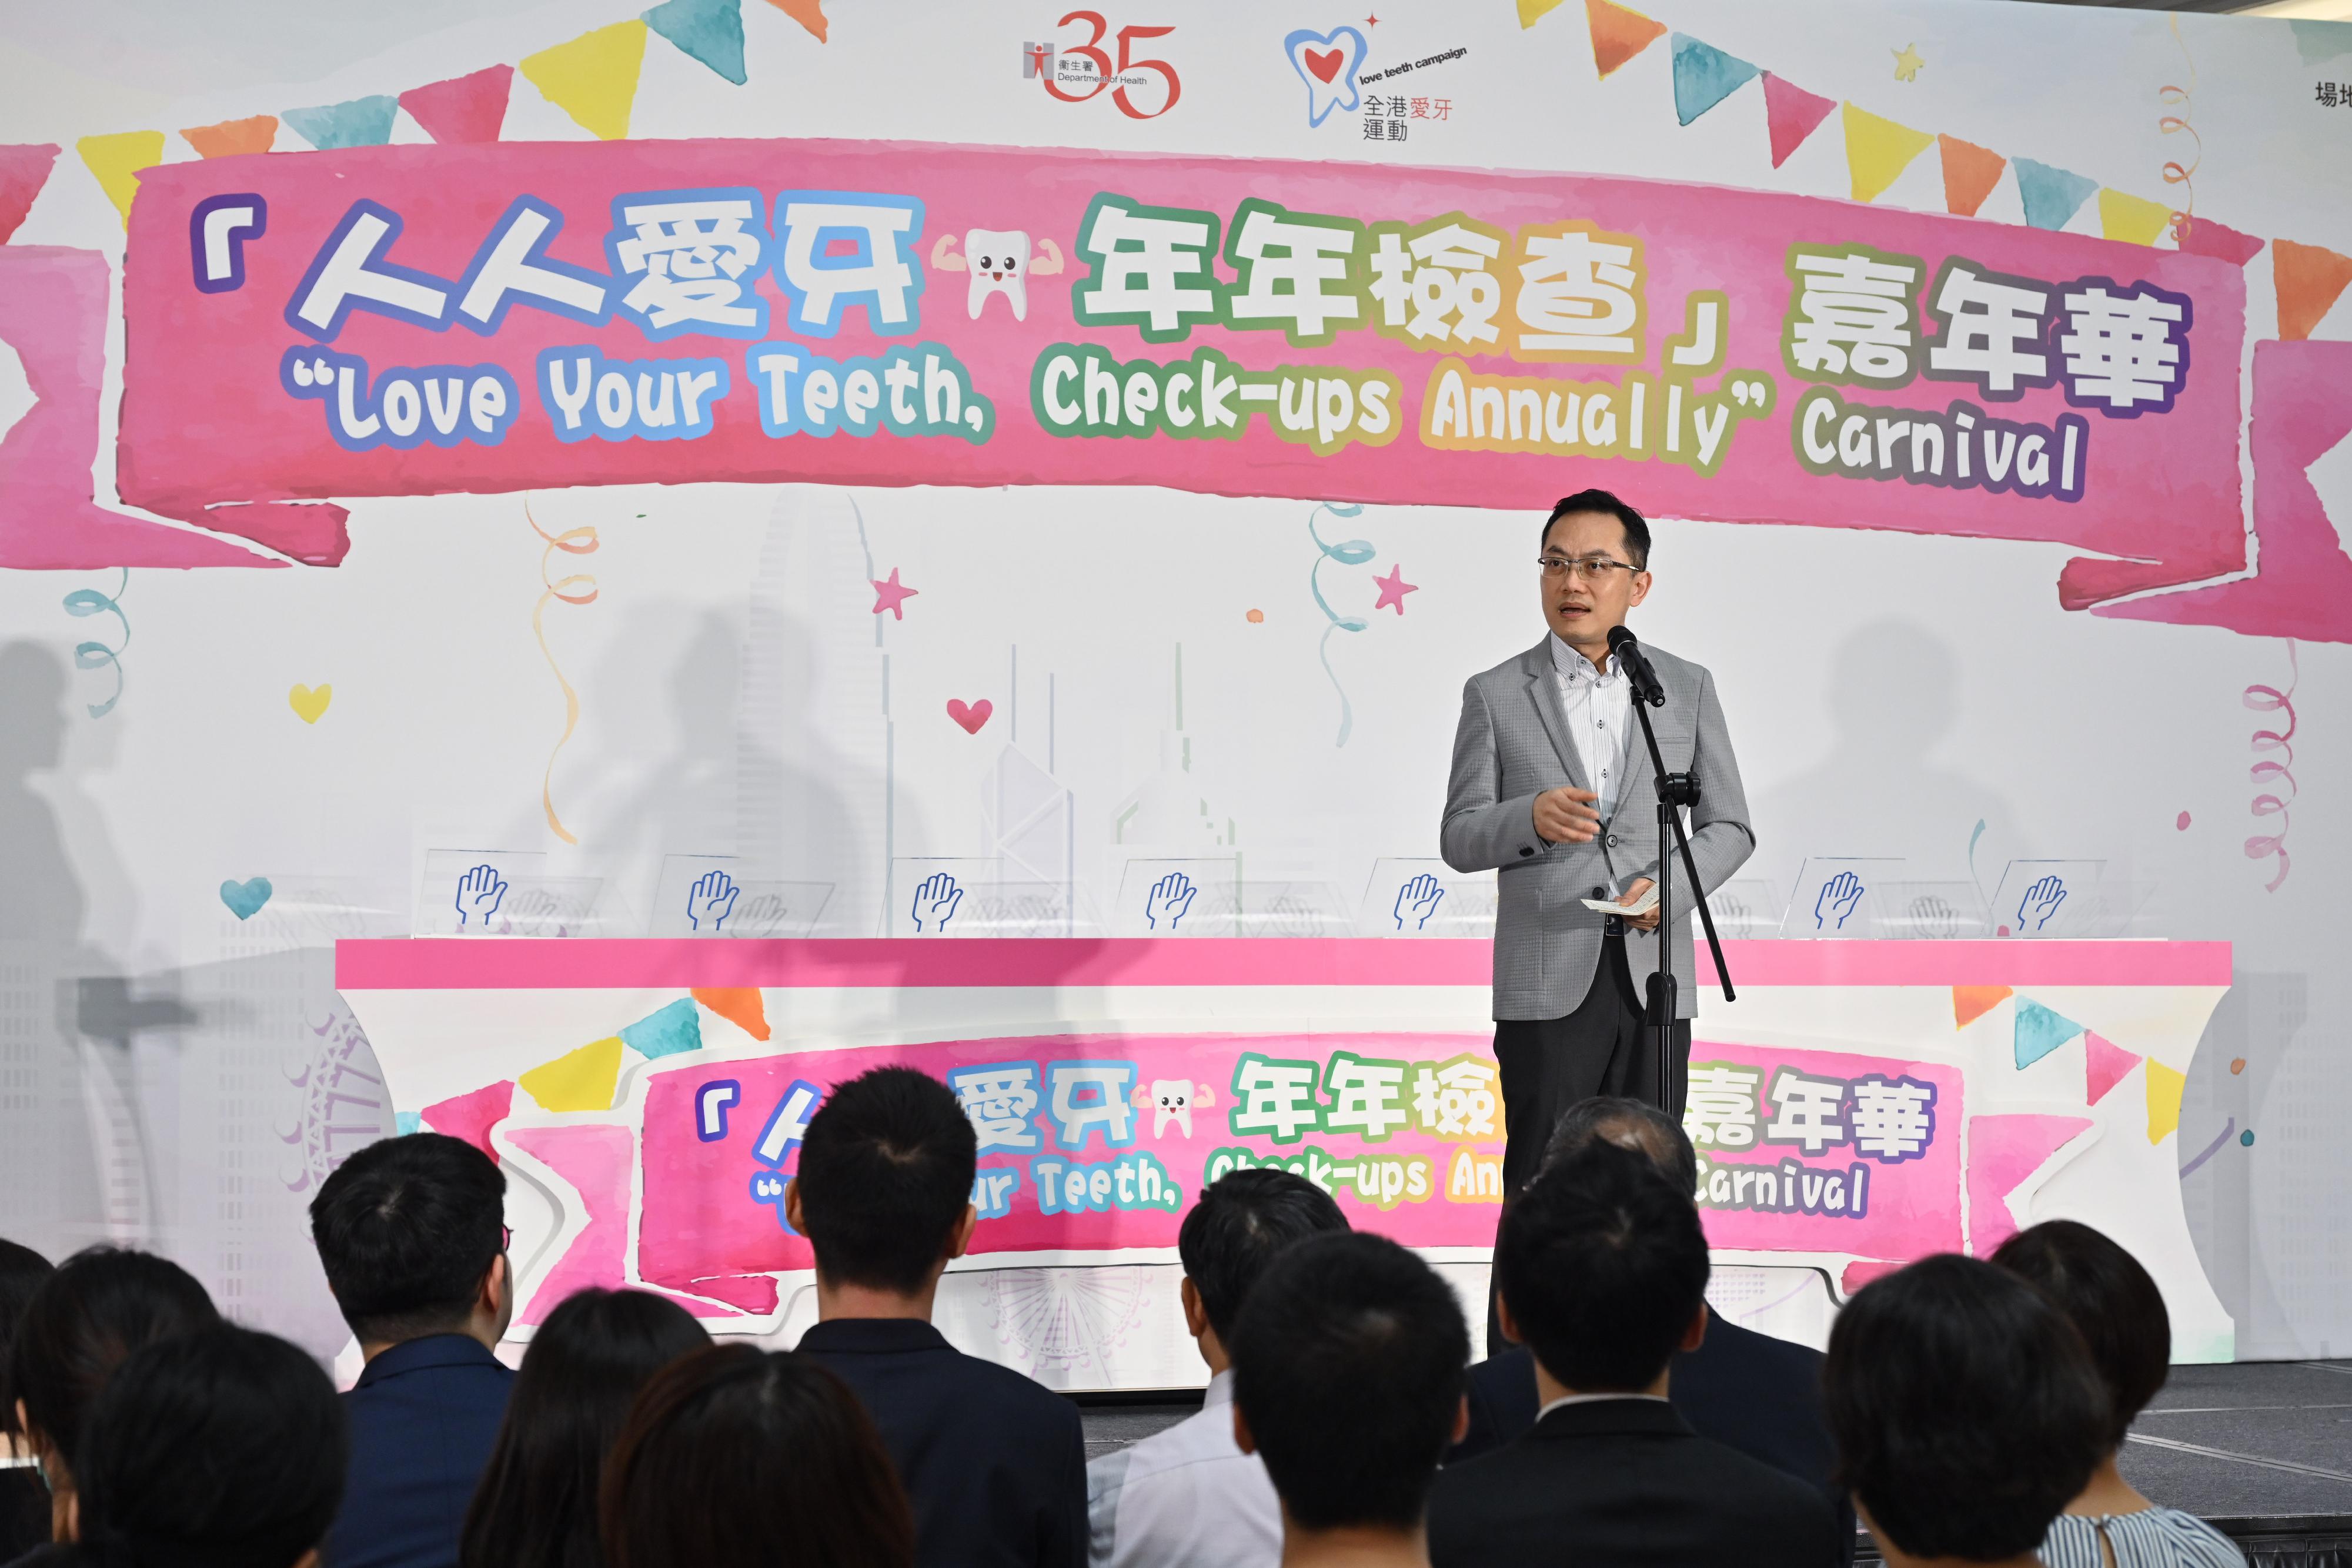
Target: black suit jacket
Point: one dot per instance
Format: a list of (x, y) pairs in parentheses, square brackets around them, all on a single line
[(1746, 1390), (1624, 1483), (424, 1416), (995, 1464)]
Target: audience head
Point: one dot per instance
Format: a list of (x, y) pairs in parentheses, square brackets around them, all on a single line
[(22, 1270), (2111, 1301), (536, 1505), (738, 1457), (884, 1190), (216, 1448), (1243, 1221), (83, 1322), (1965, 1407), (1602, 1268), (412, 1232), (1629, 1125), (1348, 1380)]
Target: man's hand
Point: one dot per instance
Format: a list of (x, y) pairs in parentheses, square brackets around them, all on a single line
[(1565, 816), (1632, 896)]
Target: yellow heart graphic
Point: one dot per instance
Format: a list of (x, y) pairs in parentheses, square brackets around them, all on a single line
[(310, 702)]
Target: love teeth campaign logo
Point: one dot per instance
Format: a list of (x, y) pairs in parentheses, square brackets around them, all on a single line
[(1327, 63)]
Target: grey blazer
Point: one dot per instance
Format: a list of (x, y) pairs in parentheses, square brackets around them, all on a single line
[(1513, 745)]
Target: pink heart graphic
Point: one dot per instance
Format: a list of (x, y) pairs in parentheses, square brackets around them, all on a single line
[(971, 715), (1323, 63)]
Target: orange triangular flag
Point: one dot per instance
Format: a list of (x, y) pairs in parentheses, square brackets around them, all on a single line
[(1618, 33), (233, 136), (2309, 278), (1970, 1003), (1970, 173), (741, 1007), (809, 13)]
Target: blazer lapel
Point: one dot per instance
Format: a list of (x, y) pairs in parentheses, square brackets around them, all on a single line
[(1543, 691)]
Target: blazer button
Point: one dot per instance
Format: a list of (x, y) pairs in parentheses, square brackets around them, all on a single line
[(1612, 841), (1524, 852)]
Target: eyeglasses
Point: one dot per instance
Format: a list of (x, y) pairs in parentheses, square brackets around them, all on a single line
[(506, 1238), (1592, 567)]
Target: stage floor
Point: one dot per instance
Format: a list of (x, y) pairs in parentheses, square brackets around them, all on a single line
[(2263, 1449)]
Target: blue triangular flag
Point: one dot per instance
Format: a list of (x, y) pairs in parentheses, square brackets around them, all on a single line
[(664, 1033), (710, 30), (2041, 1031), (1704, 77), (2052, 195), (361, 122)]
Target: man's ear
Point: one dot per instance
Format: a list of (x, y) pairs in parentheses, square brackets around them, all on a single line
[(1196, 1316), (1696, 1335), (1242, 1438), (497, 1287), (1462, 1420), (959, 1240), (1504, 1321), (793, 1206), (1641, 587)]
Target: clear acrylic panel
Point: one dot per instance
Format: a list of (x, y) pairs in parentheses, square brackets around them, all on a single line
[(1413, 897), (720, 895), (1932, 911), (1743, 907), (1841, 895), (981, 895), (511, 893)]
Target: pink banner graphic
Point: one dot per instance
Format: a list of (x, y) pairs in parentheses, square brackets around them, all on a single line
[(403, 320)]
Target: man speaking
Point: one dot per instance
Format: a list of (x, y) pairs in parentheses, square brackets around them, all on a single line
[(1553, 785)]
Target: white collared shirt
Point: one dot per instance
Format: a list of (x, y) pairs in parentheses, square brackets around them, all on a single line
[(1565, 1400), (1185, 1498), (1600, 704)]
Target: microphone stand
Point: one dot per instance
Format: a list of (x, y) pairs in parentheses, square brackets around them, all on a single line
[(1675, 790)]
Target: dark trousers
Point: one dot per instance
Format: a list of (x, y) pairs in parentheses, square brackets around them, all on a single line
[(1549, 1064)]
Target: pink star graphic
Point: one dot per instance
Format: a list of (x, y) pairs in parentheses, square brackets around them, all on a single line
[(890, 596), (1393, 587)]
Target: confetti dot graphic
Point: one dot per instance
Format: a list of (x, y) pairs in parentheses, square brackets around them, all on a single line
[(2246, 1138), (2181, 823), (1255, 617), (2237, 1065)]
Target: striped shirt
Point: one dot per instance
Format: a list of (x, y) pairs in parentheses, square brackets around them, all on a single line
[(2153, 1538)]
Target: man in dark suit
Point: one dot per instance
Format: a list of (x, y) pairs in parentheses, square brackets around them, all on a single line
[(1603, 1270), (1746, 1390), (994, 1464), (412, 1232)]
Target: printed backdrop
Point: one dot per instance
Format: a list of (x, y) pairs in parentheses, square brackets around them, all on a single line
[(731, 469)]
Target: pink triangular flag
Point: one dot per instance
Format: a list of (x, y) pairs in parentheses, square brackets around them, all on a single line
[(595, 1161), (2104, 1066), (2004, 1154), (1792, 113), (23, 170), (2203, 236), (471, 1116), (463, 109)]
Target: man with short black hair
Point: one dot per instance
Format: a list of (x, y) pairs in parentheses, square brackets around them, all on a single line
[(994, 1464), (1602, 1274), (1188, 1497), (411, 1233), (1348, 1383)]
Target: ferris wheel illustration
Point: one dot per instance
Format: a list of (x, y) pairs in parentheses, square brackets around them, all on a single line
[(1068, 1318)]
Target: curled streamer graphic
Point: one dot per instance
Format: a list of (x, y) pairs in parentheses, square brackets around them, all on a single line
[(1346, 552), (578, 588), (2176, 124), (98, 656), (2274, 774)]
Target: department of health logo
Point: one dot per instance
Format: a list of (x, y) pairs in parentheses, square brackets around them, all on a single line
[(1037, 60)]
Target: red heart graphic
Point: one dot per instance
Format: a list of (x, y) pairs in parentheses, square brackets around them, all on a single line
[(971, 715), (1323, 63)]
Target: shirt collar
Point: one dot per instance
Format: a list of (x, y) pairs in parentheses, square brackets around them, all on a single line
[(1565, 1400), (1220, 1390), (433, 1350), (878, 1336), (1567, 662)]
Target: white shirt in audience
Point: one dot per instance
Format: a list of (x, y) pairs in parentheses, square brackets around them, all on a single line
[(1185, 1498)]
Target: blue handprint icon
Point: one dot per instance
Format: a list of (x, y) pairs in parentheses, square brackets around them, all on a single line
[(478, 893), (1838, 897), (710, 900), (1170, 897), (2040, 902), (1419, 899), (935, 897)]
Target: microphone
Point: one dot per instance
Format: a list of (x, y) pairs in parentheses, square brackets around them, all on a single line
[(1630, 658)]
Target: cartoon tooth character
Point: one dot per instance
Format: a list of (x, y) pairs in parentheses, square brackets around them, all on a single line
[(1174, 1100), (1000, 262)]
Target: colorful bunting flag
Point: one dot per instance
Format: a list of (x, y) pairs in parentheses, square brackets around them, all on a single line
[(1970, 173), (23, 170), (672, 1029), (1530, 11), (2164, 1087), (2053, 196), (2041, 1031), (1619, 33), (810, 13), (360, 122), (2104, 1066), (710, 30), (1791, 114), (471, 1116), (1877, 150), (581, 1080), (116, 160), (2005, 1152), (2316, 40), (2133, 219), (592, 79), (463, 109), (1970, 1003), (1704, 77), (741, 1007), (2309, 279), (2203, 236), (232, 137)]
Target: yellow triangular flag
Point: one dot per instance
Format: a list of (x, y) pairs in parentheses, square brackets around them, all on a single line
[(2164, 1087), (2132, 218), (116, 160), (580, 1079), (592, 79), (1877, 150), (1529, 10)]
